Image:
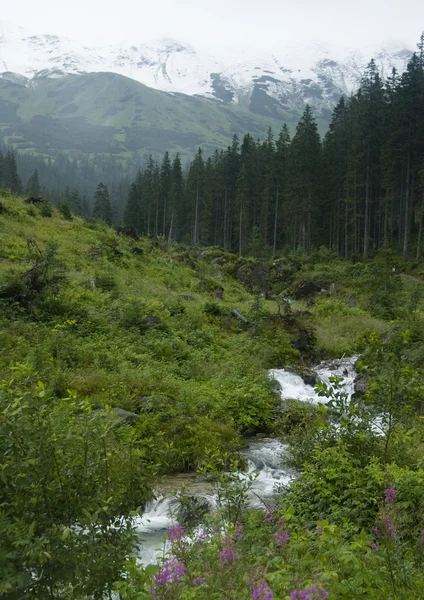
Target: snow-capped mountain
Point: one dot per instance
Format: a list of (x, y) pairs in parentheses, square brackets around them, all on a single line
[(281, 81)]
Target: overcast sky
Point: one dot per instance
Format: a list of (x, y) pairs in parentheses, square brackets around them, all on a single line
[(215, 25)]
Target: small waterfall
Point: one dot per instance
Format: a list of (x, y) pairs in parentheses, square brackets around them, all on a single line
[(263, 456), (293, 386)]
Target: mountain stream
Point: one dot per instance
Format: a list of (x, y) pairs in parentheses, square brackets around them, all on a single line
[(263, 457)]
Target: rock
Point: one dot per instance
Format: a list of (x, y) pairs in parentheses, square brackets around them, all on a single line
[(306, 289), (137, 250), (236, 313), (128, 232), (351, 302), (218, 293), (360, 384), (309, 376), (92, 284), (34, 200), (187, 297), (332, 290), (253, 276), (219, 260), (124, 415)]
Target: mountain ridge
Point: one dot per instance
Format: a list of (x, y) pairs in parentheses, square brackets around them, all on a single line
[(316, 73)]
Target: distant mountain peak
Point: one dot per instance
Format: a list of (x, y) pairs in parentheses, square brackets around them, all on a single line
[(270, 84)]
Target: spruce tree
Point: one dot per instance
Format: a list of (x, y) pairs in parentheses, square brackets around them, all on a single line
[(102, 207), (11, 178), (33, 185)]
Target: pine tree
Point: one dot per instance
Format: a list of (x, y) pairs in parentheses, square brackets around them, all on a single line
[(11, 178), (306, 179), (132, 214), (165, 192), (74, 201), (102, 206), (177, 197), (33, 185)]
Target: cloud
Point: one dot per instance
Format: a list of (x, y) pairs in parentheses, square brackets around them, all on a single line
[(216, 25)]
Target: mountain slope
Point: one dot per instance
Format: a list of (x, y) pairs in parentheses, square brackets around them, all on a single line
[(108, 113), (315, 73)]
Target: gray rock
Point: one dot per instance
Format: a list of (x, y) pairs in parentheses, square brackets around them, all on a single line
[(351, 302), (125, 416), (236, 313), (306, 289), (219, 260), (360, 384), (218, 293)]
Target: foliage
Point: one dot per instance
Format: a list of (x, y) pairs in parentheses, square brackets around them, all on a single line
[(70, 478)]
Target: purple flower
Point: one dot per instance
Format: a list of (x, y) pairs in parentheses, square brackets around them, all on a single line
[(175, 533), (374, 546), (263, 592), (318, 530), (228, 554), (293, 596), (282, 538), (171, 572), (198, 581), (391, 494)]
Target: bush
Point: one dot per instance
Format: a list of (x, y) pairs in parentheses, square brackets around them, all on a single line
[(46, 209)]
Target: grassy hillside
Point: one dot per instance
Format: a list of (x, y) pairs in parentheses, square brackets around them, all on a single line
[(108, 113), (93, 324), (142, 332)]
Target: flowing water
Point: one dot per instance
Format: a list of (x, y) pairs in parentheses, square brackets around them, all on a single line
[(263, 456)]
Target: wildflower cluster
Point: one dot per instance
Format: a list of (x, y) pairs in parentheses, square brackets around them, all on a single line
[(263, 592), (282, 538), (172, 571), (228, 554), (175, 534), (385, 529), (391, 494)]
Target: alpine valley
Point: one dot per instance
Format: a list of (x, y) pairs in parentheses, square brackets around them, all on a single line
[(57, 95)]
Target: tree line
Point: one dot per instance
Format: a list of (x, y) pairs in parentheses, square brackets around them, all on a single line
[(359, 188)]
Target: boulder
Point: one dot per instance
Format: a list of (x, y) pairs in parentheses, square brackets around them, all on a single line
[(306, 289), (128, 232), (219, 260), (238, 315), (125, 416), (218, 293), (34, 200), (351, 302), (360, 384)]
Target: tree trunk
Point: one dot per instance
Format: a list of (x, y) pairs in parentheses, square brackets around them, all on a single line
[(420, 230), (274, 247), (406, 214)]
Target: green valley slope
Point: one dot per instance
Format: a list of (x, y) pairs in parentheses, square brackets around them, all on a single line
[(105, 113)]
